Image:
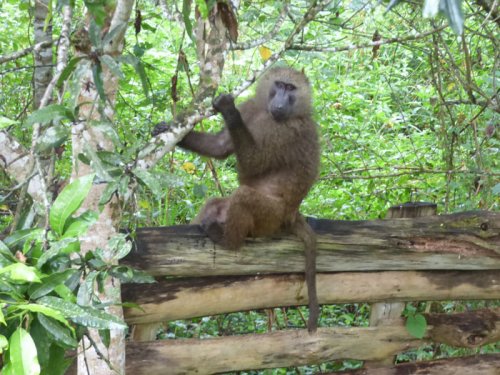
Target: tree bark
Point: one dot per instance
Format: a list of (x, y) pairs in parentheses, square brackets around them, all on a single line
[(90, 361), (476, 365), (289, 348), (464, 241), (194, 297)]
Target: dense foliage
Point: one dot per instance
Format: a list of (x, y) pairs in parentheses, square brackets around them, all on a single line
[(413, 119)]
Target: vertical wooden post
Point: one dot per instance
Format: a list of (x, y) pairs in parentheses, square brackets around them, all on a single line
[(385, 313)]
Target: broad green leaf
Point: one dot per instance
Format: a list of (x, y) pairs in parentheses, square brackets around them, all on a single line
[(113, 66), (6, 122), (108, 38), (68, 70), (49, 283), (149, 180), (19, 272), (20, 236), (58, 361), (52, 112), (96, 163), (62, 335), (186, 12), (46, 310), (94, 27), (22, 354), (4, 343), (63, 247), (119, 247), (86, 316), (52, 137), (416, 325), (139, 69), (78, 226), (68, 201)]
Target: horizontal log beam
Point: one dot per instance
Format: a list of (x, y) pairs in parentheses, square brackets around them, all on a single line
[(297, 347), (464, 241), (271, 350), (193, 297), (487, 364)]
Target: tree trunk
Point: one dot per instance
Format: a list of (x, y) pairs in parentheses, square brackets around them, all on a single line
[(43, 58), (84, 135)]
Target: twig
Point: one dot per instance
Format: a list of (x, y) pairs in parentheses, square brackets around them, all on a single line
[(366, 45), (24, 52), (268, 36)]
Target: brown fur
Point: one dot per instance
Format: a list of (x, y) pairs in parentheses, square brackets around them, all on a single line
[(278, 162)]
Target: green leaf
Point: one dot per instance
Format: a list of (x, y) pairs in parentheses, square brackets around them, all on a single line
[(62, 335), (94, 28), (202, 7), (86, 316), (22, 354), (20, 272), (6, 122), (99, 84), (52, 137), (68, 201), (78, 226), (46, 310), (149, 180), (4, 343), (113, 66), (2, 318), (108, 38), (186, 11), (119, 247), (416, 325), (139, 69), (53, 112), (96, 163), (68, 70), (63, 247), (19, 237), (49, 283)]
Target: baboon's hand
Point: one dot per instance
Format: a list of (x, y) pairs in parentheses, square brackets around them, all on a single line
[(224, 103), (160, 128)]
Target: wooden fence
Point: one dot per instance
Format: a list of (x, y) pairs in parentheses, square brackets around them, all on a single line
[(449, 257)]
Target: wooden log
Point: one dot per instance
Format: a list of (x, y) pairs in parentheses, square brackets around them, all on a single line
[(291, 347), (270, 350), (468, 329), (488, 364), (383, 313), (464, 241), (192, 297)]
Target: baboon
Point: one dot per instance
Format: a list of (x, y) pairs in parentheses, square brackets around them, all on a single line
[(277, 151)]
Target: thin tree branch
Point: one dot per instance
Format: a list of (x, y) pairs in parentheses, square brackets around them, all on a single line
[(366, 45), (268, 36), (165, 142), (24, 52)]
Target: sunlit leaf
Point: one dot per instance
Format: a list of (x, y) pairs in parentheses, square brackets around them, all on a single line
[(22, 354), (86, 316), (68, 201), (20, 272), (265, 53)]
